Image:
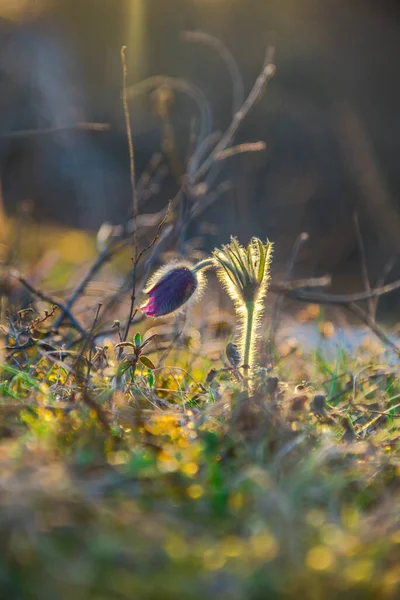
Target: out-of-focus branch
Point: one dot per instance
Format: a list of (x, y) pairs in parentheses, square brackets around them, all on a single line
[(340, 299), (276, 309), (363, 164), (347, 301), (368, 320), (184, 87), (364, 268), (228, 59), (32, 133), (241, 149), (255, 94), (64, 308), (134, 273), (131, 147)]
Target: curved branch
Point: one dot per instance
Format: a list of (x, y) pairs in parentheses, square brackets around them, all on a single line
[(228, 59)]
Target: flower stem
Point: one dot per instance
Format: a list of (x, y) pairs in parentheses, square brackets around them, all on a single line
[(248, 349), (203, 264)]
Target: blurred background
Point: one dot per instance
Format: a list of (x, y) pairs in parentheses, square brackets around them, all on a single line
[(329, 119)]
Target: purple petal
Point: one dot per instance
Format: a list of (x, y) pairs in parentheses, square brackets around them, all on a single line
[(170, 292)]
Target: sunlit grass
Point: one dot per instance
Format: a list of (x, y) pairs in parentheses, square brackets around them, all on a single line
[(181, 500)]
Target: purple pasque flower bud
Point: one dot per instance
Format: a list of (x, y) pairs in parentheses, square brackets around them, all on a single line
[(169, 290)]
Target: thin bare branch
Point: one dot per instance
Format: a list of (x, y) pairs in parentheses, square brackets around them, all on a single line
[(364, 268), (349, 303), (241, 149), (255, 94), (32, 133), (276, 309), (101, 260), (184, 87), (381, 281), (340, 299), (228, 59), (368, 320), (130, 144), (63, 307), (135, 265)]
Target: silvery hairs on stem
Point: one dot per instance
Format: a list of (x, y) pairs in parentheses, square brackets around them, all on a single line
[(245, 275)]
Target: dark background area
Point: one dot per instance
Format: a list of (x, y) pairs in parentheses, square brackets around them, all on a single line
[(330, 117)]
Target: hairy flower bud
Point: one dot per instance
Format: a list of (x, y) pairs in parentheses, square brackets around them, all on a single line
[(170, 289)]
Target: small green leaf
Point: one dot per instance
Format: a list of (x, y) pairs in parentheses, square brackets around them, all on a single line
[(150, 378), (147, 362), (227, 268), (125, 345), (263, 256), (240, 270), (124, 366), (149, 339), (138, 340)]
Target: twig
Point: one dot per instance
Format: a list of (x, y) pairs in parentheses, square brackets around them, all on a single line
[(386, 270), (163, 100), (179, 329), (340, 299), (135, 265), (229, 60), (285, 287), (154, 166), (30, 133), (372, 421), (93, 405), (101, 259), (196, 169), (184, 87), (241, 149), (130, 144), (347, 301), (202, 148), (276, 309), (21, 347), (366, 318), (63, 307), (364, 269), (39, 320), (90, 339), (363, 164), (126, 285), (203, 203), (258, 88), (113, 247), (382, 413)]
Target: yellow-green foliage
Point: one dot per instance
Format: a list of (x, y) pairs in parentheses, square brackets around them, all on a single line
[(199, 494)]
